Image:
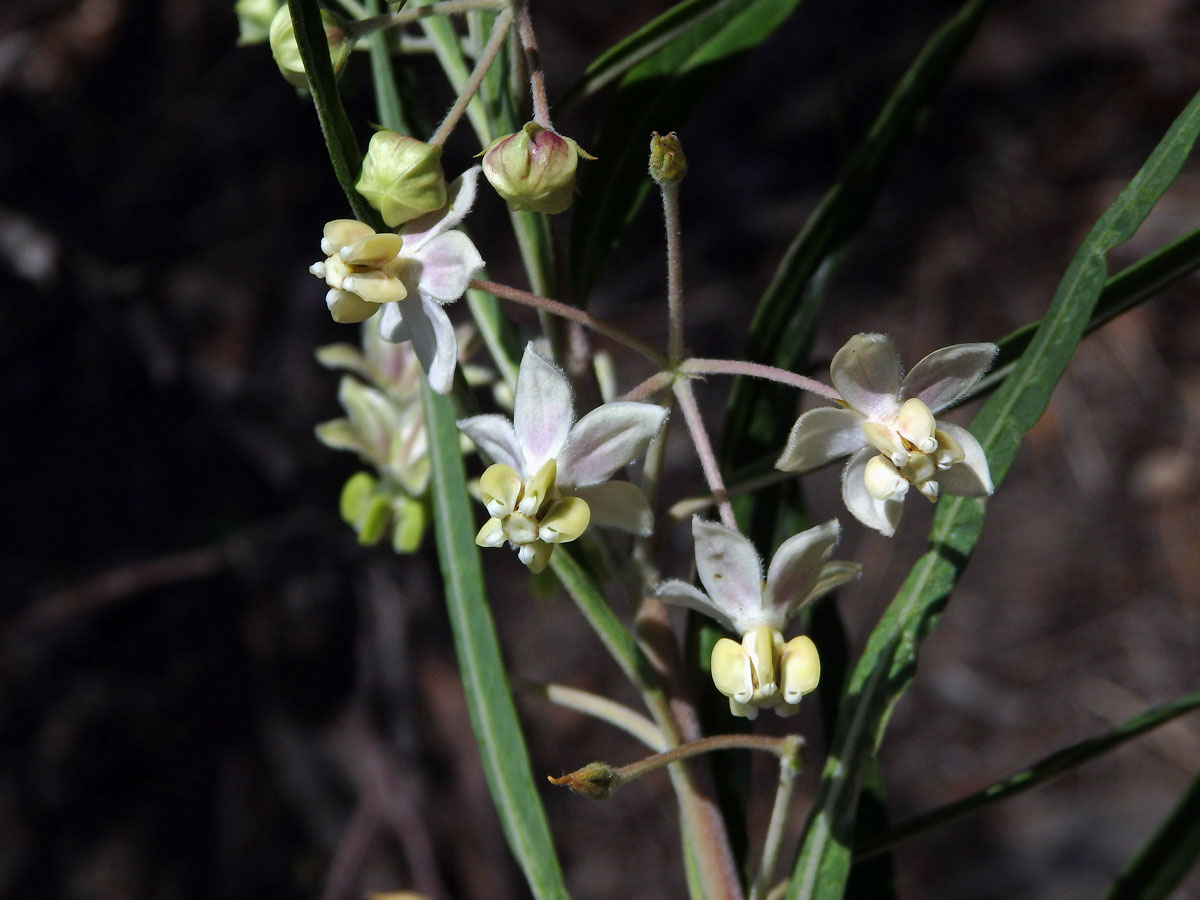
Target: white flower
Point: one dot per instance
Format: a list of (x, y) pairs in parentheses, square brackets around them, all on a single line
[(888, 425), (365, 270), (763, 671), (550, 478)]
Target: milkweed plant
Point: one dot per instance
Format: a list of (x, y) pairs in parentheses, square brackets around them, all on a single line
[(490, 437)]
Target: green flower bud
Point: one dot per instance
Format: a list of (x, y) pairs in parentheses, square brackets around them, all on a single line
[(356, 497), (667, 162), (534, 169), (410, 519), (254, 19), (282, 36), (402, 177)]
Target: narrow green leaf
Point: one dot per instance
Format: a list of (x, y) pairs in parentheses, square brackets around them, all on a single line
[(632, 49), (888, 663), (1039, 773), (484, 677), (658, 94), (335, 127), (383, 77), (1165, 860)]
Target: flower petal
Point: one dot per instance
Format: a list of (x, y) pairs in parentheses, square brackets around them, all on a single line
[(460, 195), (834, 574), (971, 477), (820, 436), (796, 567), (620, 505), (494, 435), (542, 413), (448, 263), (680, 593), (882, 515), (731, 572), (607, 439), (945, 375), (866, 372), (434, 341)]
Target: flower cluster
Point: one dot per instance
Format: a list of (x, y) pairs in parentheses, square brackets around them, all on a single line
[(888, 425), (763, 671), (550, 479)]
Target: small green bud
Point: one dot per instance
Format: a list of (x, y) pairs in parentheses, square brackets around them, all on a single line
[(282, 36), (668, 165), (254, 19), (534, 169), (374, 522), (402, 177), (410, 518)]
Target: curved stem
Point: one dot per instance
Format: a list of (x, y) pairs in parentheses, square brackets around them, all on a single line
[(708, 459), (570, 312), (670, 201), (486, 58), (371, 24), (789, 765), (533, 62), (757, 370)]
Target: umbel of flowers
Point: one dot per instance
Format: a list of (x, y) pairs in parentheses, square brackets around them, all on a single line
[(407, 276), (550, 479), (887, 423), (763, 671)]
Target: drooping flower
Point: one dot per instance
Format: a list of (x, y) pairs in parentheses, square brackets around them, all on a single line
[(551, 474), (425, 263), (888, 425), (763, 671)]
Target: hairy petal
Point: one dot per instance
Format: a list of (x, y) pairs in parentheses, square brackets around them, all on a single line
[(542, 413), (448, 263), (494, 435), (796, 566), (820, 436), (620, 505), (434, 342), (945, 375), (607, 439), (866, 372), (680, 593), (882, 515), (730, 570), (971, 477), (461, 197)]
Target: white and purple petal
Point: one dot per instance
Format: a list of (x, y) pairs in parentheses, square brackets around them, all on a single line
[(495, 437), (820, 436), (461, 197), (797, 566), (608, 438), (542, 413), (866, 373), (620, 505), (730, 570), (680, 593), (945, 375), (448, 263), (971, 477)]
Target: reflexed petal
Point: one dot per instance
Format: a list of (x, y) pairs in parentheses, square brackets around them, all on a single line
[(820, 436), (795, 568), (373, 414), (866, 372), (543, 413), (566, 520), (347, 308), (499, 488), (448, 262), (800, 669), (882, 515), (494, 435), (340, 434), (607, 439), (680, 593), (391, 323), (340, 232), (971, 477), (620, 505), (834, 574), (732, 671), (343, 356), (945, 375), (461, 197), (434, 341), (731, 572)]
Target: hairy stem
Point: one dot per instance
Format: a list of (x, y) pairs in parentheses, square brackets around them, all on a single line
[(757, 370), (533, 62), (486, 58), (704, 450)]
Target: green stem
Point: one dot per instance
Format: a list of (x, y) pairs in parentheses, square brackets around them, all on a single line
[(789, 765), (467, 92)]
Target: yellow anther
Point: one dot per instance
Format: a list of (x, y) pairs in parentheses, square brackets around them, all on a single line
[(916, 425), (760, 647), (372, 250), (491, 534), (949, 451), (799, 669), (500, 488), (886, 441), (565, 520), (537, 489), (883, 480), (732, 670)]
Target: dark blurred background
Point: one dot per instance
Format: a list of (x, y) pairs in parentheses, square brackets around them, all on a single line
[(207, 689)]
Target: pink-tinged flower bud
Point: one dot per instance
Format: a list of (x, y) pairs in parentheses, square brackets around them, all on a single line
[(285, 50), (668, 165), (402, 177), (534, 169)]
